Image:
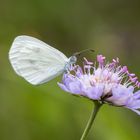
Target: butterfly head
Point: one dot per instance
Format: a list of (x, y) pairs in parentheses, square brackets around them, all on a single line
[(72, 59)]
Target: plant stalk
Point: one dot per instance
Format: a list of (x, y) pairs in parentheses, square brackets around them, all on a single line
[(94, 112)]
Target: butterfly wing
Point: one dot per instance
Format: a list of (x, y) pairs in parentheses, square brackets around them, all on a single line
[(36, 61)]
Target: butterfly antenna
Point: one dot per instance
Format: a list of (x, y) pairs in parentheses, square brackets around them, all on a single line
[(83, 51)]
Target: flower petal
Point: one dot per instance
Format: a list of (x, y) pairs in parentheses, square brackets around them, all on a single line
[(63, 87), (137, 95), (137, 111), (120, 95), (133, 103), (75, 87), (95, 93)]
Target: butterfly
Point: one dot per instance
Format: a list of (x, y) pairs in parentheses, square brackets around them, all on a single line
[(36, 61)]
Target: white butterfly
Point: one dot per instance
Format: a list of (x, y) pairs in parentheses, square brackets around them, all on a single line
[(36, 61)]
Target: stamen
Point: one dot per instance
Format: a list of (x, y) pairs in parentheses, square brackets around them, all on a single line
[(100, 60)]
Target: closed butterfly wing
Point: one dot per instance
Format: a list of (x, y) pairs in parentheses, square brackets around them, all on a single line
[(36, 61)]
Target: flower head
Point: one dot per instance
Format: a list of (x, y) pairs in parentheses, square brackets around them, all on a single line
[(105, 82)]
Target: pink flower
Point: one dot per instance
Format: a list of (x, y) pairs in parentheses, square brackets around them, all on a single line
[(105, 82)]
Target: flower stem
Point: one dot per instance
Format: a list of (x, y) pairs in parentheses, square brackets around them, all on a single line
[(97, 106)]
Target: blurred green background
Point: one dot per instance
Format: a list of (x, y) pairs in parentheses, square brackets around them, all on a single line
[(45, 112)]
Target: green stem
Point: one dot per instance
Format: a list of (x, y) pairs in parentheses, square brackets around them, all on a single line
[(97, 106)]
